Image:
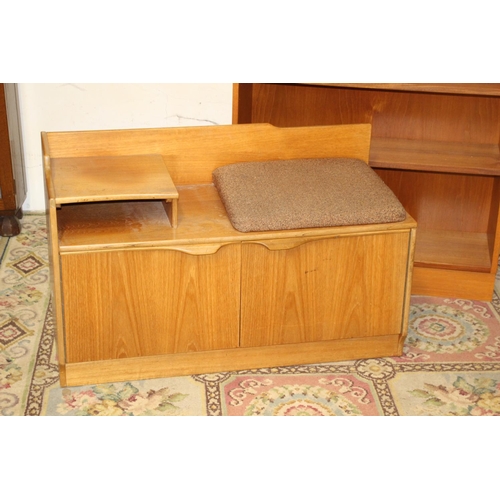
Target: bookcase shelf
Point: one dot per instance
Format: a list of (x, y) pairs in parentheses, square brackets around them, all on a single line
[(435, 156), (453, 250)]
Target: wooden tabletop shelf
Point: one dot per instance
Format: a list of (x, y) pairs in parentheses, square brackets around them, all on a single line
[(202, 220), (106, 178), (143, 223), (114, 178)]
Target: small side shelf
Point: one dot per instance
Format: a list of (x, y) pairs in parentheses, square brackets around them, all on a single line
[(114, 178)]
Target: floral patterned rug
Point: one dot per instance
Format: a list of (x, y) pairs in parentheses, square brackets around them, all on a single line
[(450, 365)]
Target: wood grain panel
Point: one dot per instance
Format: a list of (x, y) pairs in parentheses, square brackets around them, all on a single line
[(453, 250), (242, 102), (189, 152), (441, 201), (298, 105), (91, 179), (202, 220), (335, 288), (434, 156), (172, 365), (393, 114), (452, 283), (142, 303)]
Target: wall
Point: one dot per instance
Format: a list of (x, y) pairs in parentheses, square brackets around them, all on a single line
[(90, 106)]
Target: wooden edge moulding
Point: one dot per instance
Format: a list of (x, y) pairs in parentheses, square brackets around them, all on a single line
[(141, 293)]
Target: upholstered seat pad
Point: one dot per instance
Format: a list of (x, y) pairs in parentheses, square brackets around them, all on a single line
[(304, 193)]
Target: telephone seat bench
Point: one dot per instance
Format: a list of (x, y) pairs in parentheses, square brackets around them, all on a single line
[(194, 250)]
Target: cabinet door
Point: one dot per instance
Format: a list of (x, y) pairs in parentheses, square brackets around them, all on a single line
[(336, 288), (122, 304)]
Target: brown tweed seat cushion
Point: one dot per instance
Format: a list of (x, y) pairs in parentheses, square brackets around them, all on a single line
[(304, 193)]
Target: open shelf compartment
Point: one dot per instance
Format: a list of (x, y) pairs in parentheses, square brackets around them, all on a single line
[(104, 179)]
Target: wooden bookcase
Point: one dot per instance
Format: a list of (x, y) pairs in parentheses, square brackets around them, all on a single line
[(435, 145)]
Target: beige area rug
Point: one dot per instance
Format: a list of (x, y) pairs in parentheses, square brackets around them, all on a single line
[(450, 365)]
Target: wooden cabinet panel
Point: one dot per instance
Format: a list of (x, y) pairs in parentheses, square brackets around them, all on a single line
[(393, 114), (336, 288), (443, 202), (140, 303), (12, 175)]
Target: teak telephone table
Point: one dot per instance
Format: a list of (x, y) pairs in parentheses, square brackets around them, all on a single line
[(136, 297)]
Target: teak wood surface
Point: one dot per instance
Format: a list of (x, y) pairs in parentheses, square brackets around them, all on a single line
[(202, 228), (437, 148), (172, 365), (192, 153), (150, 302), (300, 294), (91, 179), (114, 178), (138, 298)]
